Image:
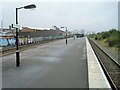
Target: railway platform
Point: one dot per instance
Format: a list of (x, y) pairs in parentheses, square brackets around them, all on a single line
[(55, 65), (97, 78)]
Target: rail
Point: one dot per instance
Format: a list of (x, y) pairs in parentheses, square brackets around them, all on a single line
[(110, 67)]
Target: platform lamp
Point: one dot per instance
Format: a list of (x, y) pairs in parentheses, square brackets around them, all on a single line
[(66, 33), (17, 47)]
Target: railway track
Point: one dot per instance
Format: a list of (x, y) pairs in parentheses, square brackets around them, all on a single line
[(109, 66)]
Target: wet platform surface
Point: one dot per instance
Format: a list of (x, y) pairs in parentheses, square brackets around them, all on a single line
[(52, 65)]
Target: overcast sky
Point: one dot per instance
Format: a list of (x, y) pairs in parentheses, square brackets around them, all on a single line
[(90, 16)]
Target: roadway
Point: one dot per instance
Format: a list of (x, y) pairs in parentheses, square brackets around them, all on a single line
[(52, 65)]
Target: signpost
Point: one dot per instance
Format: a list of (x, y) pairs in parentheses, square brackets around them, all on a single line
[(16, 26)]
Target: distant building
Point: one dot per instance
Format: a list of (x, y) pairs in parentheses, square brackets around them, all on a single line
[(31, 35), (56, 28), (38, 32), (7, 33), (82, 31), (79, 35)]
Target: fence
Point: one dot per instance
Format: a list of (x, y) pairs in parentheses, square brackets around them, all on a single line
[(9, 43)]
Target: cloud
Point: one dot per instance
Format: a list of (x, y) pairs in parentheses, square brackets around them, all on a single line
[(81, 15), (60, 0)]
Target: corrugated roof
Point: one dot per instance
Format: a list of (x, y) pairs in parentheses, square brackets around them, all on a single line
[(37, 28)]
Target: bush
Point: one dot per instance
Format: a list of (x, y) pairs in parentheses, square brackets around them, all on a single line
[(111, 37), (112, 30), (114, 40), (96, 38), (105, 35)]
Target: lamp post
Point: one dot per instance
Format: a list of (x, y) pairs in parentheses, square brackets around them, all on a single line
[(17, 44), (66, 33)]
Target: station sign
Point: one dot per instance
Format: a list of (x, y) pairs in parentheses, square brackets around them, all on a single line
[(16, 26)]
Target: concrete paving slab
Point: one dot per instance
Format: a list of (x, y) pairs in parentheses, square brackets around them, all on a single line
[(97, 78)]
